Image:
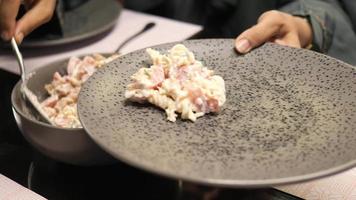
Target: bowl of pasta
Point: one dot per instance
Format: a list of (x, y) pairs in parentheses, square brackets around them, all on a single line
[(56, 87)]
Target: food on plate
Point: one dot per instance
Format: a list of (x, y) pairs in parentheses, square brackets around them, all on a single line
[(177, 83), (61, 105)]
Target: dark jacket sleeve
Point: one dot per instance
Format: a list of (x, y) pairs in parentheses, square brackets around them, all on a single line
[(350, 8), (333, 32)]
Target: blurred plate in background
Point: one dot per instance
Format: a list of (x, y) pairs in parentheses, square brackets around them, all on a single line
[(91, 18)]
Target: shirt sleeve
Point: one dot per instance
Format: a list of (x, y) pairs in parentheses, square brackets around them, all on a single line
[(333, 32)]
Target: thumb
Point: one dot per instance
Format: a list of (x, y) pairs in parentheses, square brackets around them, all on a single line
[(265, 30), (254, 37)]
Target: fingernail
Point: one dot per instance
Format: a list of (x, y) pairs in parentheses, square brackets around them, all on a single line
[(243, 46), (5, 36), (19, 37)]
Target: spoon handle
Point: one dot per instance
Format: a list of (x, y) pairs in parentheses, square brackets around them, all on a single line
[(19, 59), (24, 90), (147, 27)]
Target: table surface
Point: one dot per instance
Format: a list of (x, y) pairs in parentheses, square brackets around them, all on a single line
[(341, 186)]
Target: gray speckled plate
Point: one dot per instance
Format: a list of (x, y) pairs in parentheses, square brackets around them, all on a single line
[(289, 116)]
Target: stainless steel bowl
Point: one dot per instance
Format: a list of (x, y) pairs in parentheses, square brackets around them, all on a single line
[(67, 145)]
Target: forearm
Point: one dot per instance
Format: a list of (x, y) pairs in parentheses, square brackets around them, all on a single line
[(332, 29), (321, 15)]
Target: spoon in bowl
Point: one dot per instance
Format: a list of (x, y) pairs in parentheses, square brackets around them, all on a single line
[(31, 97), (26, 93)]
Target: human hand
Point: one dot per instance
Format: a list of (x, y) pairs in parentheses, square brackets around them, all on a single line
[(277, 27), (38, 13)]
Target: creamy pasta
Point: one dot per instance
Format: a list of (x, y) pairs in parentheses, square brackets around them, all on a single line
[(61, 104), (177, 83)]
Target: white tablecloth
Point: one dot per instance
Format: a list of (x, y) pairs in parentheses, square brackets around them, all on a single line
[(341, 186), (10, 190)]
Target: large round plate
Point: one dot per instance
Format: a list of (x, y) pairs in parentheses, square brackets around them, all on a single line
[(289, 116)]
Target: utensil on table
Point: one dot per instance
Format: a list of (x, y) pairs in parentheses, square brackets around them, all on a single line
[(147, 27), (26, 93)]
